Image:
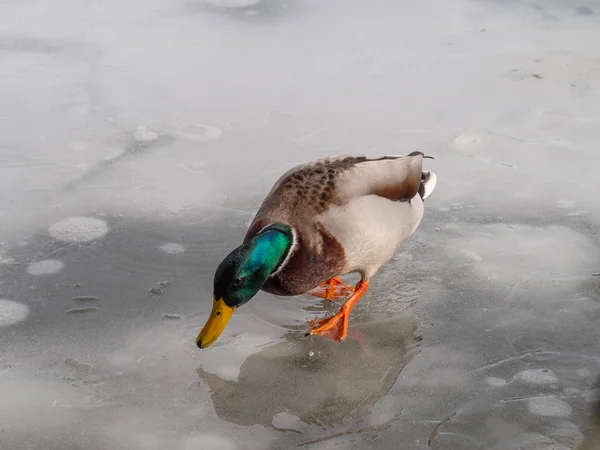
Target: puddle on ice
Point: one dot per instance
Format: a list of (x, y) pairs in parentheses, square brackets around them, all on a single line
[(319, 382)]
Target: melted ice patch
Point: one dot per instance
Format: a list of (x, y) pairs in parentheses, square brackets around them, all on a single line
[(79, 229), (12, 312), (46, 267)]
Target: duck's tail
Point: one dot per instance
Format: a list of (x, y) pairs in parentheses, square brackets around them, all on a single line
[(428, 182)]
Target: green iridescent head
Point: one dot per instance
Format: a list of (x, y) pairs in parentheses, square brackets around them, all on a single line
[(241, 275)]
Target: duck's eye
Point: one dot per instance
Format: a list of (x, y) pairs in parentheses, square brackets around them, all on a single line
[(238, 282)]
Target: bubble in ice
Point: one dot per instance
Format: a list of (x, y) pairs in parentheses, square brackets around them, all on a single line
[(143, 134), (45, 267), (537, 376), (79, 229), (199, 133), (549, 406), (172, 248), (12, 312)]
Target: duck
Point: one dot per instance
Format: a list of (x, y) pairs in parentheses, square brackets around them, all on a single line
[(320, 221)]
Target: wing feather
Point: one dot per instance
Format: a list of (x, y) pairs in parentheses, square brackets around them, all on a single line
[(310, 189)]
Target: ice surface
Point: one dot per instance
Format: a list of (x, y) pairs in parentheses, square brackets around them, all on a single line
[(137, 140)]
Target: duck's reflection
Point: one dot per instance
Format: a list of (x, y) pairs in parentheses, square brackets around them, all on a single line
[(315, 379)]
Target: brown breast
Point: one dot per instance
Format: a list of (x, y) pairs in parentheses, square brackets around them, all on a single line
[(315, 261)]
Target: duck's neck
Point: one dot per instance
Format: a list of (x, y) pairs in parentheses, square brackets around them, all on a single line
[(272, 247)]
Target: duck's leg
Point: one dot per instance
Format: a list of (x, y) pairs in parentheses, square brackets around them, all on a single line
[(336, 327), (333, 289)]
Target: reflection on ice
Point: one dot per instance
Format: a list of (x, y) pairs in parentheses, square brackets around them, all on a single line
[(318, 381)]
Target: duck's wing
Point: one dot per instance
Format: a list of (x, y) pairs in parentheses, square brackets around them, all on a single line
[(311, 189), (392, 177)]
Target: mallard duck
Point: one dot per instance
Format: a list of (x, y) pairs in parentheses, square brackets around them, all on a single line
[(321, 220)]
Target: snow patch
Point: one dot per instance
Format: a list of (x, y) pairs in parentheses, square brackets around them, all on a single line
[(12, 313), (46, 267), (549, 407), (79, 229)]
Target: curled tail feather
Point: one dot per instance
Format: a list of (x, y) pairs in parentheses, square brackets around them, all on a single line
[(428, 182)]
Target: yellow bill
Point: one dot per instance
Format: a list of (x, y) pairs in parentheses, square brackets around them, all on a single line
[(216, 323)]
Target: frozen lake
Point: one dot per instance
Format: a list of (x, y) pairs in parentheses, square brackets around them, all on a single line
[(137, 140)]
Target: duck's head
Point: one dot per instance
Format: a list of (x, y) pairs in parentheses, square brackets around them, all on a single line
[(241, 275)]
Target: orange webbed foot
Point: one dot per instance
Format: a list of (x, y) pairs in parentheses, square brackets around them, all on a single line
[(333, 289), (336, 327)]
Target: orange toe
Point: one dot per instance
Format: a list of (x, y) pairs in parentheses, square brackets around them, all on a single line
[(333, 289), (336, 327)]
